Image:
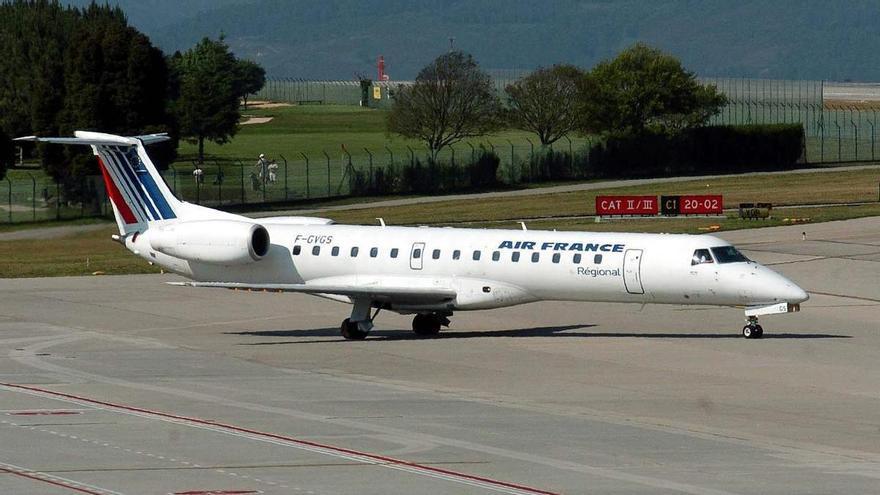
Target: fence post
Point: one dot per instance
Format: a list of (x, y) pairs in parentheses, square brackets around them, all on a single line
[(57, 201), (9, 197), (871, 122), (412, 157), (219, 178), (855, 136), (308, 192), (512, 181), (454, 170), (82, 204), (531, 159), (241, 172), (473, 152), (348, 171), (328, 173), (839, 141), (370, 186), (285, 176), (570, 156), (33, 195), (390, 156)]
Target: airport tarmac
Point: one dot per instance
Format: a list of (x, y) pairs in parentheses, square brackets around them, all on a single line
[(125, 385)]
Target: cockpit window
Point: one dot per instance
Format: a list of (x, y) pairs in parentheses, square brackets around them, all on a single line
[(701, 256), (728, 254)]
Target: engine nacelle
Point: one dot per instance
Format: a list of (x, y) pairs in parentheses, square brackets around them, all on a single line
[(223, 242)]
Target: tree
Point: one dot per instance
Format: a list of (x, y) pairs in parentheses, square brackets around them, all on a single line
[(644, 89), (544, 102), (250, 78), (451, 100), (63, 69), (207, 96)]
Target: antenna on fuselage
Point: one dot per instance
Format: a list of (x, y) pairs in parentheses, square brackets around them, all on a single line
[(523, 225), (381, 221)]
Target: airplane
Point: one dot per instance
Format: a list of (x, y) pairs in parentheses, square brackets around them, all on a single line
[(429, 273)]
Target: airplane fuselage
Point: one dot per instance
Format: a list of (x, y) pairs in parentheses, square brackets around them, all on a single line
[(491, 268)]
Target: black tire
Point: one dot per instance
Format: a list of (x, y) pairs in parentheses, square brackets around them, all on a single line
[(748, 332), (426, 325), (350, 330), (759, 332)]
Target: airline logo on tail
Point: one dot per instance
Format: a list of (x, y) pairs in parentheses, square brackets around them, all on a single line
[(131, 187)]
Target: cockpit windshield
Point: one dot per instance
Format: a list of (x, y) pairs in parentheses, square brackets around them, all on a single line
[(728, 254)]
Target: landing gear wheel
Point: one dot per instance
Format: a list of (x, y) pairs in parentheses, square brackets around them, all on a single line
[(351, 331), (426, 325), (753, 331)]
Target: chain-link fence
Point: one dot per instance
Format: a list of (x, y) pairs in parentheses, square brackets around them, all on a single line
[(377, 94), (839, 122), (33, 197), (839, 119)]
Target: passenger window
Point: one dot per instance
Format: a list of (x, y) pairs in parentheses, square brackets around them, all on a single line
[(394, 252), (436, 254), (556, 257), (496, 256), (514, 257), (456, 254), (535, 257), (576, 259), (417, 253), (374, 252), (334, 251), (700, 257), (297, 249), (476, 256), (316, 250), (354, 252), (597, 259)]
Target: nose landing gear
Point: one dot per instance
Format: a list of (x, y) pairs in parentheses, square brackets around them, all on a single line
[(752, 330)]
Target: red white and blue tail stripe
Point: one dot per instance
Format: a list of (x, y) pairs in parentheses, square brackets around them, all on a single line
[(138, 193)]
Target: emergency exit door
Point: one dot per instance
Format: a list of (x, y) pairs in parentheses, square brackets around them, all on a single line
[(632, 267)]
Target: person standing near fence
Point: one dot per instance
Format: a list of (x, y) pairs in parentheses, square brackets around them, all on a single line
[(262, 167)]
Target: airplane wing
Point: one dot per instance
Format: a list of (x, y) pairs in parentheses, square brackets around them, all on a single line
[(374, 292)]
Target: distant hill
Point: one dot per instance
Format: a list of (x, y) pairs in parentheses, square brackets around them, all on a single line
[(798, 39)]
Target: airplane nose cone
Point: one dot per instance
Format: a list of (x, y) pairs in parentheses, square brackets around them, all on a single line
[(795, 294)]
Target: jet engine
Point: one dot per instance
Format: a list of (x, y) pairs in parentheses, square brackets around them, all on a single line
[(222, 242)]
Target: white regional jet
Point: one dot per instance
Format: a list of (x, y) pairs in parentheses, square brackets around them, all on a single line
[(426, 272)]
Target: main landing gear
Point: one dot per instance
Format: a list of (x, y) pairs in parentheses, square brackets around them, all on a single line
[(752, 330), (358, 326), (429, 324)]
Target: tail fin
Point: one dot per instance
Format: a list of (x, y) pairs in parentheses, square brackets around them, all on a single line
[(138, 193)]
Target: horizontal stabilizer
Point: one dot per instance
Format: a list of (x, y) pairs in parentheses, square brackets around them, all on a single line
[(99, 139), (374, 292)]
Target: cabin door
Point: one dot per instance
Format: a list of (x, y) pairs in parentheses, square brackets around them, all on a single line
[(417, 255), (632, 268)]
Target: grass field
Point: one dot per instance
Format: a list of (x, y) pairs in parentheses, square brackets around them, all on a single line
[(779, 189), (315, 129), (90, 252)]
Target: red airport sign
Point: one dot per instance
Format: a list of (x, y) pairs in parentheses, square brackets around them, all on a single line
[(704, 204), (626, 205)]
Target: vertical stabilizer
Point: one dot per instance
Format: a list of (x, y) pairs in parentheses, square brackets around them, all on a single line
[(137, 192)]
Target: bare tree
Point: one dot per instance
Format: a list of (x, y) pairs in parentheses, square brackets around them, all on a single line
[(546, 102), (451, 100)]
